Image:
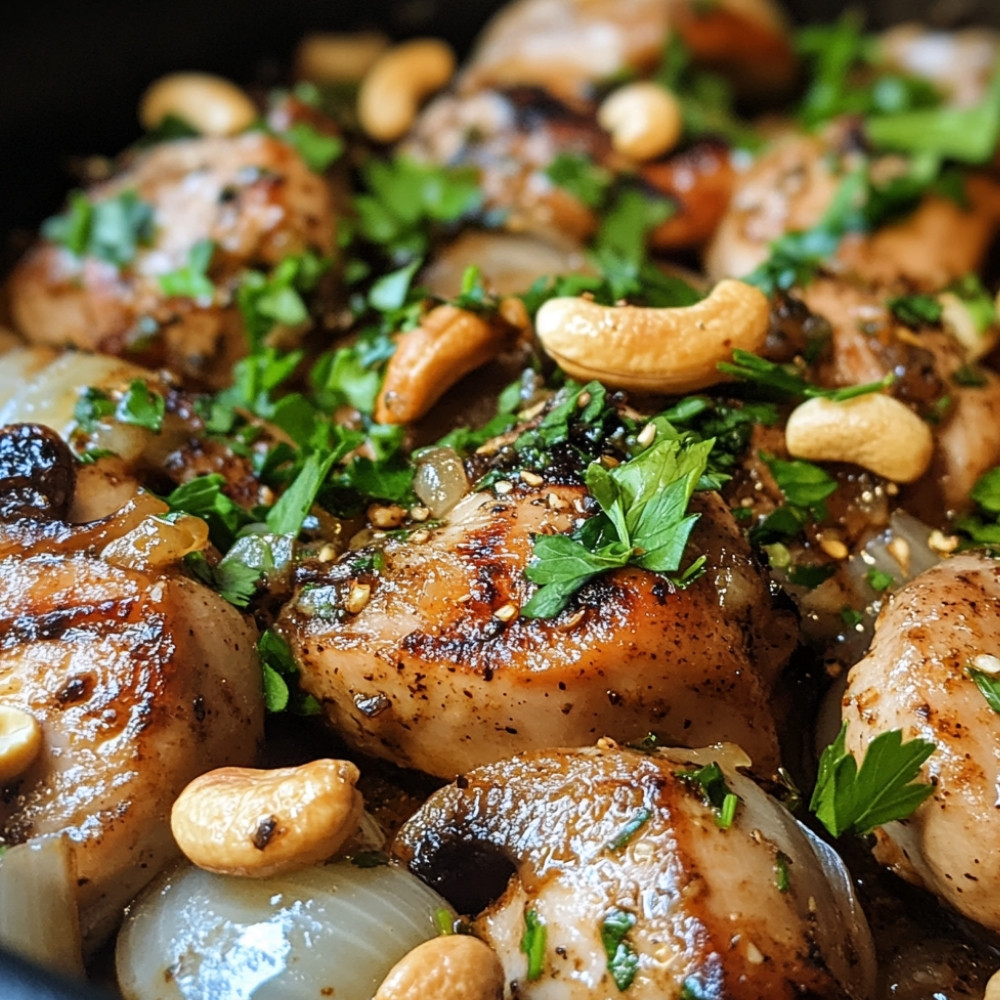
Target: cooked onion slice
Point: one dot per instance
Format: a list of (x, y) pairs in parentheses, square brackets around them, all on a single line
[(335, 930)]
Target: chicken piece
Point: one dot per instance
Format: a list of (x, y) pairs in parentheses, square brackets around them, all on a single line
[(867, 343), (438, 672), (916, 678), (251, 195), (790, 187), (139, 677), (633, 882)]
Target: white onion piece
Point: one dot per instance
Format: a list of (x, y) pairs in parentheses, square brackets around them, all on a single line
[(38, 907), (335, 927), (440, 480)]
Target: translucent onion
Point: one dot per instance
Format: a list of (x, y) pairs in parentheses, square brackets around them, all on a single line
[(331, 930), (157, 542), (440, 480), (38, 906)]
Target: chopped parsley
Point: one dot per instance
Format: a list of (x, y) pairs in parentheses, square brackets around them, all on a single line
[(916, 310), (533, 944), (192, 280), (318, 150), (711, 783), (989, 686), (982, 526), (631, 828), (781, 880), (849, 799), (280, 672), (138, 405), (879, 580), (111, 229), (643, 521), (623, 961)]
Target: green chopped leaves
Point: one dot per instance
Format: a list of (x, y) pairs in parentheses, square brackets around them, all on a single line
[(916, 310), (988, 684), (138, 405), (533, 944), (623, 961), (711, 783), (643, 521), (982, 527), (804, 484), (879, 580), (318, 150), (630, 829), (281, 691), (781, 880), (581, 177), (191, 280), (111, 229), (849, 799), (786, 382)]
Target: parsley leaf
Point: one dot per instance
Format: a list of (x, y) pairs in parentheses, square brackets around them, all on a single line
[(533, 944), (803, 484), (989, 686), (916, 310), (317, 149), (204, 498), (192, 279), (848, 799), (111, 229), (631, 828), (623, 962), (581, 177), (287, 515), (643, 522), (711, 782)]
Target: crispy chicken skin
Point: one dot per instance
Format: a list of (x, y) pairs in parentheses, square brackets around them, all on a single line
[(435, 673), (915, 678), (584, 837), (252, 195), (140, 681)]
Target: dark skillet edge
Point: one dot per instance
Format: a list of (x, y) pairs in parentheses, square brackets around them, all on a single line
[(70, 76)]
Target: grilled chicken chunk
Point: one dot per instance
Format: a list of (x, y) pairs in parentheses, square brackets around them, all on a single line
[(252, 196), (608, 845), (439, 672), (916, 678)]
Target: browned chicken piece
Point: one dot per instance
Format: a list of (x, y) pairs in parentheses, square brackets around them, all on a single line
[(566, 47), (587, 846), (139, 677), (439, 672), (251, 195), (867, 342), (916, 678), (790, 187)]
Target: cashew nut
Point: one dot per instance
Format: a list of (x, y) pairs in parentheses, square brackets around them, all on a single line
[(875, 431), (394, 88), (993, 987), (208, 103), (242, 821), (644, 120), (331, 57), (20, 742), (429, 359), (654, 350), (455, 966)]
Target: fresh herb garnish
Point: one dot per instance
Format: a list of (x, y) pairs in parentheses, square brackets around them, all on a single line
[(643, 521), (444, 921), (192, 279), (989, 686), (280, 679), (533, 944), (631, 828), (786, 382), (879, 580), (849, 799), (711, 783), (916, 310), (623, 962), (781, 880), (982, 527), (317, 149), (111, 229)]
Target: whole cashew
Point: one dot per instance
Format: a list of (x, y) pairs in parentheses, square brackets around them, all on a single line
[(672, 350), (332, 57), (208, 103), (644, 120), (874, 431), (242, 821), (394, 88), (429, 359), (455, 966), (20, 742)]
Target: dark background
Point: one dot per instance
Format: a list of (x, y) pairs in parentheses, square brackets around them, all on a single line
[(71, 75)]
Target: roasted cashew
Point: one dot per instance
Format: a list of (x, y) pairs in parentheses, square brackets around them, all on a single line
[(242, 821), (875, 431), (333, 57), (654, 350), (394, 88), (455, 966), (20, 742), (429, 359), (644, 120), (209, 104)]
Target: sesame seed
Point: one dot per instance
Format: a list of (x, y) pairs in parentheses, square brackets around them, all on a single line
[(583, 400), (419, 513), (834, 548), (573, 620), (647, 435), (531, 478), (502, 487), (506, 612), (555, 502)]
